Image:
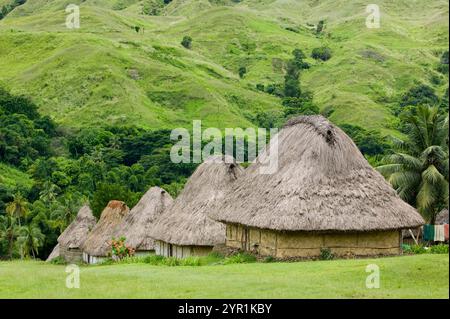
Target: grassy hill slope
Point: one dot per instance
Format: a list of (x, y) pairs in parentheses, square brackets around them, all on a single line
[(105, 72), (12, 178)]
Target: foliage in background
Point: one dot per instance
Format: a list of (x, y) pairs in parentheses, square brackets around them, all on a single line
[(419, 167), (421, 249)]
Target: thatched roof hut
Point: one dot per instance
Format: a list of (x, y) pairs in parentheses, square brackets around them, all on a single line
[(322, 184), (442, 217), (70, 241), (76, 233), (98, 242), (185, 223), (135, 225)]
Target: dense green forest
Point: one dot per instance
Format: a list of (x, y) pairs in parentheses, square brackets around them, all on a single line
[(86, 116), (68, 169)]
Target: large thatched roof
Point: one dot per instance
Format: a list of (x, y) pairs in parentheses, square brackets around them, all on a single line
[(442, 217), (76, 233), (135, 225), (98, 242), (323, 183), (185, 222)]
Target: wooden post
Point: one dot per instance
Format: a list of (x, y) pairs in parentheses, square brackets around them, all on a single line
[(413, 237)]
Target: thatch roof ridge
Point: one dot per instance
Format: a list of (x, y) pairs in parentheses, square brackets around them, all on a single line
[(98, 242), (186, 221), (76, 233), (323, 183), (134, 226)]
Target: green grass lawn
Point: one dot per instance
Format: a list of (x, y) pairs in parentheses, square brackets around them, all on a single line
[(419, 276)]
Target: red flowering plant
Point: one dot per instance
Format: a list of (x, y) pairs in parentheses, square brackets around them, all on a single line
[(119, 250)]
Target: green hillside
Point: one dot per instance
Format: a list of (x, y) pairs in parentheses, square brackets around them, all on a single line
[(13, 178), (106, 72)]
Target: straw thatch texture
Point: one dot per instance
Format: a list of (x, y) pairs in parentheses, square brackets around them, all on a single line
[(323, 183), (98, 242), (135, 225), (442, 217), (76, 233), (186, 223), (54, 253)]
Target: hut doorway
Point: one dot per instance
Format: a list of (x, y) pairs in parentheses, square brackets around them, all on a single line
[(170, 250), (245, 239)]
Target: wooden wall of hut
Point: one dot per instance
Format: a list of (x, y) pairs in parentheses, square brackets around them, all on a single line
[(309, 244), (170, 250), (74, 255)]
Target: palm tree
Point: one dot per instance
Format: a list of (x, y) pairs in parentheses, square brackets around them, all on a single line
[(18, 208), (62, 214), (8, 231), (49, 192), (30, 239), (419, 170)]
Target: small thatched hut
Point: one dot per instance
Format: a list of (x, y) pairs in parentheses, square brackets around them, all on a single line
[(184, 229), (324, 195), (97, 245), (73, 237), (70, 241), (135, 225), (442, 217)]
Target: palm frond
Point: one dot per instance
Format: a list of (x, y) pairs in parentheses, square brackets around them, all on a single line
[(432, 176)]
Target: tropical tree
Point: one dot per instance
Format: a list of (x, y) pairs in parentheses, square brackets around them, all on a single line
[(9, 231), (64, 211), (29, 240), (18, 208), (418, 169), (48, 193)]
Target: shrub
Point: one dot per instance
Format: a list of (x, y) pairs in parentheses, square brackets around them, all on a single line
[(190, 261), (326, 254), (119, 250), (106, 262), (418, 249), (269, 259), (443, 68), (242, 71), (299, 56), (300, 105), (153, 259), (240, 258), (419, 94), (260, 87), (322, 53), (212, 259), (187, 42), (444, 58), (275, 89), (171, 261), (439, 249), (58, 261), (320, 26)]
